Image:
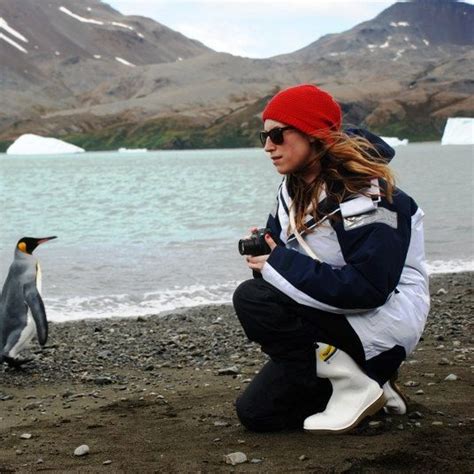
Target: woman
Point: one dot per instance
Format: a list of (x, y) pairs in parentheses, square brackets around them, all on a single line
[(344, 291)]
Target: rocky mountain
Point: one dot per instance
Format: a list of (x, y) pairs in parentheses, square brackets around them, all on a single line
[(103, 80), (422, 28), (52, 51), (405, 71)]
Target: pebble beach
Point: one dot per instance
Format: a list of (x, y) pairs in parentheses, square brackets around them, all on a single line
[(156, 394)]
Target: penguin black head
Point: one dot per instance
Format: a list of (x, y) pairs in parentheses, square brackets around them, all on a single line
[(28, 244)]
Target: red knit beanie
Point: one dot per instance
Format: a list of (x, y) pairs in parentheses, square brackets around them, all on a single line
[(307, 108)]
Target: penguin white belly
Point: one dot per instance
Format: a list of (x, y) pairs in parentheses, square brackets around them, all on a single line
[(26, 335), (29, 331), (39, 278)]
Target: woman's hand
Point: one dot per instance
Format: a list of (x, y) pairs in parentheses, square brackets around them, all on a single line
[(252, 230), (257, 263)]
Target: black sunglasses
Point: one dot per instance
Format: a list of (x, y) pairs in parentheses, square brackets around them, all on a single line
[(275, 134)]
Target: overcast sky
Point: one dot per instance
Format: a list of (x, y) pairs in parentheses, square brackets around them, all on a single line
[(255, 28)]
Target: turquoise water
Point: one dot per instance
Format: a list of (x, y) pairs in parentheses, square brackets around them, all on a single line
[(148, 232)]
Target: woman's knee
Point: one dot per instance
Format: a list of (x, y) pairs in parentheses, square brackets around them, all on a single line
[(246, 301), (246, 417), (247, 292), (251, 419)]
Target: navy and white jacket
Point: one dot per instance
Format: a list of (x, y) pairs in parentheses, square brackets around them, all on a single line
[(372, 267)]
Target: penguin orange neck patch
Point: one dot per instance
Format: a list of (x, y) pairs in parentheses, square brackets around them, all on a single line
[(22, 247)]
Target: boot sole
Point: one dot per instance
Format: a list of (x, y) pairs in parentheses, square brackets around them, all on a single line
[(369, 411)]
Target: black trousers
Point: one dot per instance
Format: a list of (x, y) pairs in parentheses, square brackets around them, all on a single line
[(286, 391)]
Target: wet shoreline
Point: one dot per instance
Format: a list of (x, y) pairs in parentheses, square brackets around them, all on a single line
[(157, 393)]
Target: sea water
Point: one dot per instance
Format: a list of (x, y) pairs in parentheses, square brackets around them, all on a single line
[(151, 232)]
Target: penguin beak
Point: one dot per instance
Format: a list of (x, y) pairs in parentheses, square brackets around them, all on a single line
[(42, 240)]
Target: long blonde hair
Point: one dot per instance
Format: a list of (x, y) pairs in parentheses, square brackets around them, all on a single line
[(347, 165)]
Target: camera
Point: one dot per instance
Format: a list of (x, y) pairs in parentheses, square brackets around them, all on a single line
[(255, 245)]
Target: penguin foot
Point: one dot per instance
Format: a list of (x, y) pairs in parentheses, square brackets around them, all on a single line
[(16, 363)]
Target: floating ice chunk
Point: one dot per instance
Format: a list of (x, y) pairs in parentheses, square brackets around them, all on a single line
[(394, 141), (97, 56), (80, 18), (458, 131), (57, 53), (4, 25), (371, 46), (13, 43), (133, 150), (385, 45), (30, 144), (123, 61), (426, 42), (140, 35)]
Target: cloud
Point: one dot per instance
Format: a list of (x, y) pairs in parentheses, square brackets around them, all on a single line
[(332, 7), (224, 37), (249, 37), (256, 28), (263, 28), (321, 4)]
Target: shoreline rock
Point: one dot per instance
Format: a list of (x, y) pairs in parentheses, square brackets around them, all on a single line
[(149, 394)]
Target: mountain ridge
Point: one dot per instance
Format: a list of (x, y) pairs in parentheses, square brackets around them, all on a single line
[(382, 71)]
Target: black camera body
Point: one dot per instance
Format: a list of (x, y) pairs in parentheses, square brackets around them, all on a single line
[(255, 245)]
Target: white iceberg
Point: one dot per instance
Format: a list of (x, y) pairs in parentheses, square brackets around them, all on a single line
[(458, 131), (30, 144), (394, 141), (133, 150)]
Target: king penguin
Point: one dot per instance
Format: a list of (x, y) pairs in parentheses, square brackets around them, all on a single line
[(22, 313)]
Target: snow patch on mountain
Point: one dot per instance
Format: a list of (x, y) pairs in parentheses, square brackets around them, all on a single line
[(97, 22), (122, 25), (4, 25), (80, 18), (13, 43), (399, 23), (123, 61)]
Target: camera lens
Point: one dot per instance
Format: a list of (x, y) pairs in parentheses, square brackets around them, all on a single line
[(242, 247)]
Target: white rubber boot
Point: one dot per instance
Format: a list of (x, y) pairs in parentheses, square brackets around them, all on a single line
[(396, 403), (354, 394)]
